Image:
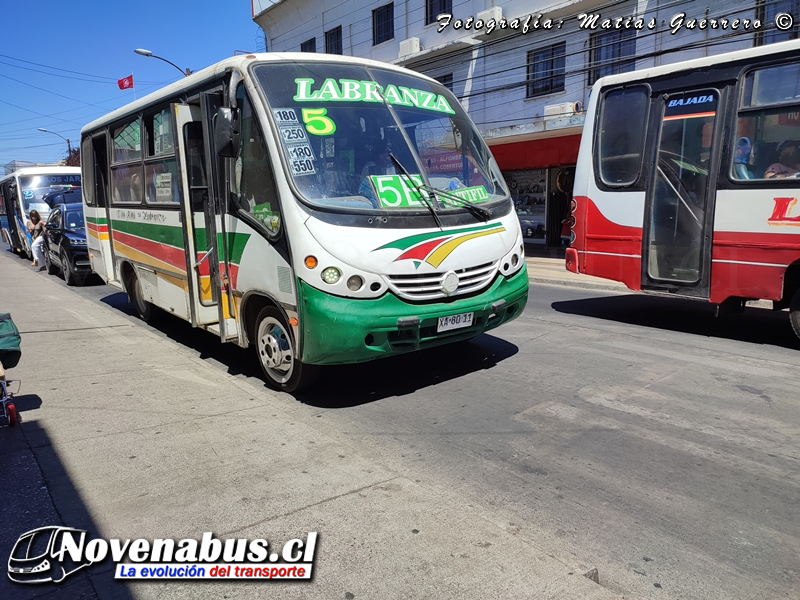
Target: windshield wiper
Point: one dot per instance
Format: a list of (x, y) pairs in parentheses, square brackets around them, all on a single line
[(416, 187), (477, 211)]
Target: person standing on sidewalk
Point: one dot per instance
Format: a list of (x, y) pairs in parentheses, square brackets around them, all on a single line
[(36, 227)]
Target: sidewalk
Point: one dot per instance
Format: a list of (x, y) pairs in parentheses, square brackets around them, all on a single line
[(546, 265), (129, 434)]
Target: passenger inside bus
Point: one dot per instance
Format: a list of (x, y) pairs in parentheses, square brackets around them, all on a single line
[(788, 164)]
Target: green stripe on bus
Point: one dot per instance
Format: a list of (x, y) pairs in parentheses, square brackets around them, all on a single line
[(97, 220), (163, 234)]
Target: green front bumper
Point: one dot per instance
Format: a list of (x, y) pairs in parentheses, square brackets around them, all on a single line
[(338, 330)]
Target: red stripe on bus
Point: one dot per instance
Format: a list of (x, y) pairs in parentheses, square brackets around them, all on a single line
[(164, 252)]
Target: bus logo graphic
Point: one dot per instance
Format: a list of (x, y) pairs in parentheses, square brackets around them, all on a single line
[(39, 555), (434, 247), (780, 214)]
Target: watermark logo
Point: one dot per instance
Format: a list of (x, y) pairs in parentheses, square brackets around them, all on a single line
[(49, 554), (39, 555)]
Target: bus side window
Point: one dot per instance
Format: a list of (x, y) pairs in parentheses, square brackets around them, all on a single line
[(254, 182), (621, 135)]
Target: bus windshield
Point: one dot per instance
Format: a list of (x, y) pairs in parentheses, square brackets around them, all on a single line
[(36, 187), (367, 138)]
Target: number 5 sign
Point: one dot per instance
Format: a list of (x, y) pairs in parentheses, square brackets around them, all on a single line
[(394, 191)]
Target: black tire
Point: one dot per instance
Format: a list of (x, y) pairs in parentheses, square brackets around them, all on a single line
[(69, 274), (143, 309), (794, 312), (275, 349), (51, 268)]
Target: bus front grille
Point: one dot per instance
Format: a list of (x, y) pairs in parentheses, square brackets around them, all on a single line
[(428, 286)]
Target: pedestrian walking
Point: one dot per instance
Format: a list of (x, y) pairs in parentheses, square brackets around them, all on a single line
[(36, 228)]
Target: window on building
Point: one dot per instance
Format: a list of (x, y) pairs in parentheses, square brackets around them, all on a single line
[(546, 70), (383, 24), (434, 8), (766, 11), (609, 51), (309, 45), (333, 40)]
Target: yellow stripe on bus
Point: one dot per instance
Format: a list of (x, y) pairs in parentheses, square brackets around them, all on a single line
[(443, 251), (99, 236)]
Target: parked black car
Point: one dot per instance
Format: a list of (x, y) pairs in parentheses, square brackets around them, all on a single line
[(65, 244)]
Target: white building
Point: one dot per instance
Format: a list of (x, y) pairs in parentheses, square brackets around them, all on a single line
[(524, 70)]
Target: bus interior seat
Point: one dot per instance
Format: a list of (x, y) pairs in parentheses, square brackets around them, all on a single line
[(741, 171)]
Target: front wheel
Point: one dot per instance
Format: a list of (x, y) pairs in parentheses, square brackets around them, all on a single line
[(275, 350), (794, 312), (51, 268)]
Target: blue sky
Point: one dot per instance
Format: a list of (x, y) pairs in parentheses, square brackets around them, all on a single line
[(76, 50)]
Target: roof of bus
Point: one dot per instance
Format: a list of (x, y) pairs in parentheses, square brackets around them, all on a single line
[(697, 63), (241, 62), (42, 171)]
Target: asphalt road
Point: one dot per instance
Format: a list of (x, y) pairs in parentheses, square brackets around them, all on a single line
[(633, 434)]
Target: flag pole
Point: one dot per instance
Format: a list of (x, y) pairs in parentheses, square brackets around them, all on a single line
[(133, 86)]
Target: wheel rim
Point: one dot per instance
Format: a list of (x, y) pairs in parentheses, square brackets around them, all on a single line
[(275, 350), (65, 264)]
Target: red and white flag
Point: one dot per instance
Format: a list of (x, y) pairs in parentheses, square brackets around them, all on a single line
[(126, 82)]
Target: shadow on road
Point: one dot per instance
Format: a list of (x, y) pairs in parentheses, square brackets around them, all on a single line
[(755, 325), (345, 385), (352, 385), (37, 491)]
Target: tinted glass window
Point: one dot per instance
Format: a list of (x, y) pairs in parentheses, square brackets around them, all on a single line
[(127, 142), (767, 144), (620, 135), (74, 219)]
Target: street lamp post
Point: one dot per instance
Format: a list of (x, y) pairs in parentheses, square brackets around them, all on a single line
[(144, 52), (69, 147)]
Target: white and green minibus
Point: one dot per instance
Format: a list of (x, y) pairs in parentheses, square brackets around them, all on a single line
[(323, 209)]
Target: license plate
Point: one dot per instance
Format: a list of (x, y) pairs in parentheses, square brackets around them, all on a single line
[(454, 322)]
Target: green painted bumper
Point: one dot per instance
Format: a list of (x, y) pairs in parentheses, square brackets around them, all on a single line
[(338, 330)]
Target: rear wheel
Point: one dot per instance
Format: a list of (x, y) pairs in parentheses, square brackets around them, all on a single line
[(144, 310), (794, 312), (276, 353), (11, 411)]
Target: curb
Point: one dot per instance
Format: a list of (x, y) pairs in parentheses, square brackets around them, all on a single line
[(587, 285), (610, 287)]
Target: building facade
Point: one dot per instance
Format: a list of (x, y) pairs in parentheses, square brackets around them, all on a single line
[(524, 70)]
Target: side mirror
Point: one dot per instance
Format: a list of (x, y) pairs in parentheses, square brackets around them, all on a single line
[(51, 226), (226, 132)]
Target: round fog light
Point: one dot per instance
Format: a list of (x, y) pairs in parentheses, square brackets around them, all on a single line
[(331, 275), (514, 260), (354, 283)]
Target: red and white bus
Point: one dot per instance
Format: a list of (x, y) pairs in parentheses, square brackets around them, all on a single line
[(688, 180)]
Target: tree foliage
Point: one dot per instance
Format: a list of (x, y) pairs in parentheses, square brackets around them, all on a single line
[(73, 158)]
